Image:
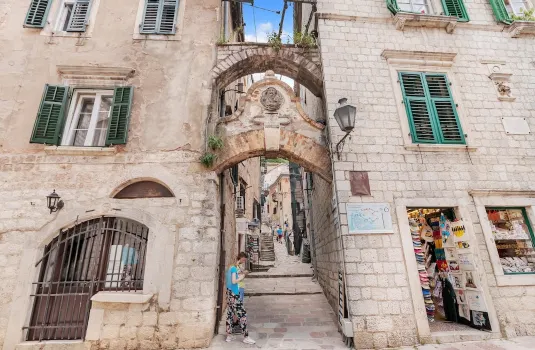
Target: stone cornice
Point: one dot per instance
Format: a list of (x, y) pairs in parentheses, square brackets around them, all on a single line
[(405, 19), (92, 72), (441, 59), (481, 193)]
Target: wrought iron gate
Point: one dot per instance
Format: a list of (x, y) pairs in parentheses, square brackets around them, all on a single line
[(107, 253)]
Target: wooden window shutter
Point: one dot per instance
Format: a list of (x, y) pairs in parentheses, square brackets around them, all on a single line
[(159, 17), (418, 111), (444, 109), (456, 8), (500, 11), (37, 13), (168, 17), (392, 5), (120, 116), (51, 115), (80, 16)]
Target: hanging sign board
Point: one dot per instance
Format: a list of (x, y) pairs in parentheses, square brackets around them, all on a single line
[(369, 218)]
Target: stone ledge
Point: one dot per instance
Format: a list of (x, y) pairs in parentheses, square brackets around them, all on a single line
[(439, 148), (402, 19), (483, 192), (519, 28), (80, 151), (121, 297)]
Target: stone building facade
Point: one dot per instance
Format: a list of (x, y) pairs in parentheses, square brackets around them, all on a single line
[(365, 45)]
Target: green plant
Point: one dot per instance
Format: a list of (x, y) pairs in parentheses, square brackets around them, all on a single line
[(304, 40), (527, 15), (215, 142), (208, 159), (275, 41), (222, 40)]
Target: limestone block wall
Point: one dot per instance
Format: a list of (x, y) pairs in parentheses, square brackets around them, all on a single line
[(399, 174), (327, 245)]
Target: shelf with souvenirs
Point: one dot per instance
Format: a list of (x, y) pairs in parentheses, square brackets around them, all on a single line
[(450, 287), (513, 238)]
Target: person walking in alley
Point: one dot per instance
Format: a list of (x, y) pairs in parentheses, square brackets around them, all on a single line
[(235, 307), (279, 234)]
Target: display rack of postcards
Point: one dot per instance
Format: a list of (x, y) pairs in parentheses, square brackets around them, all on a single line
[(419, 252)]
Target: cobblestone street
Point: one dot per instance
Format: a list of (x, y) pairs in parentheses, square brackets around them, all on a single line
[(286, 312)]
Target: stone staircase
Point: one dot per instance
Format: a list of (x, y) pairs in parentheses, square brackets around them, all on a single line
[(267, 248)]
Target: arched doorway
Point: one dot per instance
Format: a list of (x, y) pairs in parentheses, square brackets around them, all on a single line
[(102, 254)]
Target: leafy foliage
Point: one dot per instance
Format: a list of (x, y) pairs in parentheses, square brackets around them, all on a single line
[(275, 41), (208, 159), (215, 142), (304, 40), (527, 15)]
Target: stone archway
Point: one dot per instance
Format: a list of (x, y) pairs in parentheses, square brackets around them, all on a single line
[(237, 60), (271, 122)]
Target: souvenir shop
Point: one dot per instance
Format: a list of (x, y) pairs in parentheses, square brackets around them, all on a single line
[(452, 293)]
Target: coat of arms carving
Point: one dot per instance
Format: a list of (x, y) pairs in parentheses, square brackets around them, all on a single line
[(271, 99)]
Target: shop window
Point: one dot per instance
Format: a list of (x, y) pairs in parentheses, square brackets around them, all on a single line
[(430, 108), (513, 237), (454, 8), (95, 117)]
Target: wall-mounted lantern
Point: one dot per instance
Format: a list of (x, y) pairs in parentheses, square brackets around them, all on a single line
[(54, 202), (345, 117)]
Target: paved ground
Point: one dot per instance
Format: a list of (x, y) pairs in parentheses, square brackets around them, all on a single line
[(522, 343), (286, 312)]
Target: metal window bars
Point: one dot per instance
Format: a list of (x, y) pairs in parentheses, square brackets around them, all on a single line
[(103, 254)]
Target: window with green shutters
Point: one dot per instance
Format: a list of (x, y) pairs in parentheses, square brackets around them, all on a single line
[(37, 13), (454, 8), (83, 117), (79, 17), (430, 108), (506, 11), (159, 17)]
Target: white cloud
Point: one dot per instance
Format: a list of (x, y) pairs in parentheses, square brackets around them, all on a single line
[(262, 32)]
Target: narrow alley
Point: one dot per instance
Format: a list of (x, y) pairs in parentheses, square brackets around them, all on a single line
[(285, 309)]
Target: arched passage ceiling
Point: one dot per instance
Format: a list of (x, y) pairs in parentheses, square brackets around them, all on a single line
[(238, 60)]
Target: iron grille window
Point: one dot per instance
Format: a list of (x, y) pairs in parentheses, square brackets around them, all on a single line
[(105, 254)]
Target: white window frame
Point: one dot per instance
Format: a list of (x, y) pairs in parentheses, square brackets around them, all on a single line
[(180, 17), (52, 27), (430, 5), (74, 112), (62, 15), (512, 11)]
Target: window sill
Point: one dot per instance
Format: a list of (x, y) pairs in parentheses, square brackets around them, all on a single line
[(80, 151), (516, 280), (402, 19), (76, 35), (121, 297), (519, 28), (158, 37), (439, 148)]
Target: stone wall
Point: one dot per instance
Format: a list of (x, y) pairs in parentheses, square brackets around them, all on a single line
[(377, 276), (172, 89), (326, 243)]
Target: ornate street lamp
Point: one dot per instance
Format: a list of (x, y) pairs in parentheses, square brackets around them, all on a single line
[(345, 117), (54, 202)]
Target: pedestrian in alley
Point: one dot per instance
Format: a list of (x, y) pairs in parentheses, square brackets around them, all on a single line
[(279, 234), (235, 308)]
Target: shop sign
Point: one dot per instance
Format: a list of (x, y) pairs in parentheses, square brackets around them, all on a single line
[(369, 218)]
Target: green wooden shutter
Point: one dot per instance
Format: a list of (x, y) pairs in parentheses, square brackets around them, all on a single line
[(418, 111), (500, 11), (120, 116), (37, 13), (455, 8), (392, 5), (444, 110), (168, 17), (51, 115), (151, 16), (79, 16)]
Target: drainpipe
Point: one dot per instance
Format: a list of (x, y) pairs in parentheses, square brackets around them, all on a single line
[(222, 104)]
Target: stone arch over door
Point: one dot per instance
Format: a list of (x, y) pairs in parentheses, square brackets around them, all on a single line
[(271, 122)]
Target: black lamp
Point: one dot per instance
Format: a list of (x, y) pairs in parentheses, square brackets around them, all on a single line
[(54, 202), (345, 117)]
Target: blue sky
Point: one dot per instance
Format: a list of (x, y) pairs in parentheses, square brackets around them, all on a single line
[(266, 22)]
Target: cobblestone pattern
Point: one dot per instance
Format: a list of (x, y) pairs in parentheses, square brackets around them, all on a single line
[(379, 297)]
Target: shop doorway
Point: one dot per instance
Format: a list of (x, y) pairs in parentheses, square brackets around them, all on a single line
[(452, 294)]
